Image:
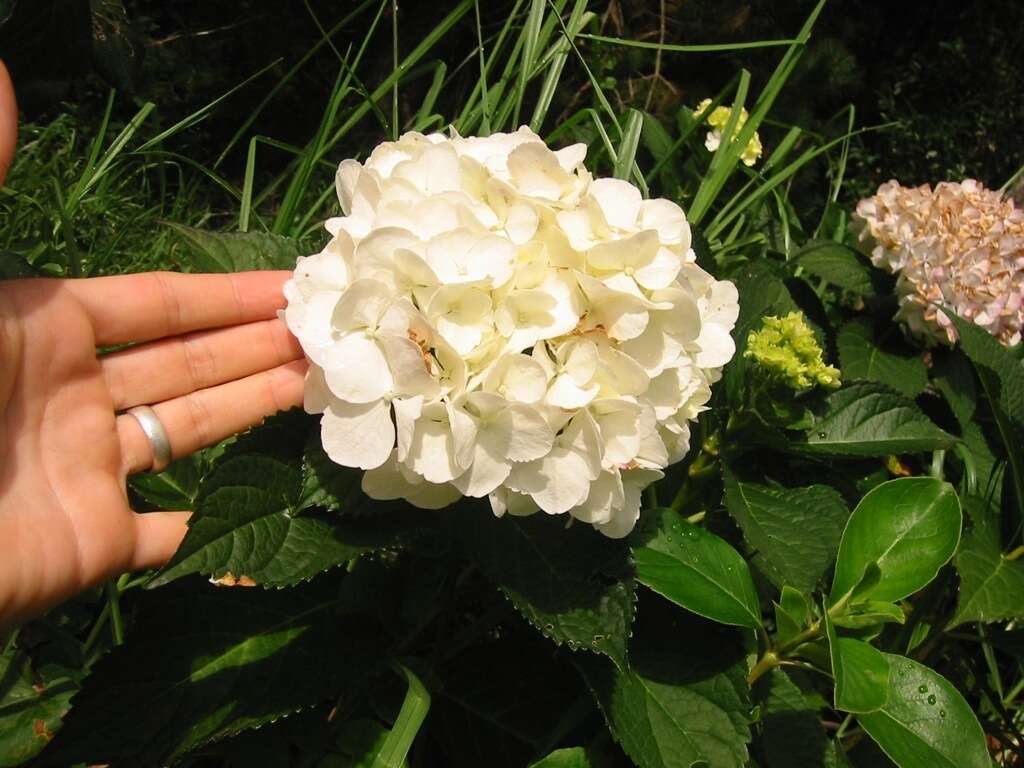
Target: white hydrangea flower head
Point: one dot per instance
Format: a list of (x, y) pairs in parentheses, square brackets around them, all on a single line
[(959, 246), (490, 320)]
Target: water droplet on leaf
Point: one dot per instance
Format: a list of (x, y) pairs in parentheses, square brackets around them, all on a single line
[(922, 689), (931, 699)]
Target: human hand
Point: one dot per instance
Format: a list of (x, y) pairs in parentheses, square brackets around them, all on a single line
[(65, 454)]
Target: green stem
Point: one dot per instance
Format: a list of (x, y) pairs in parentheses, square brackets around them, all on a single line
[(114, 603)]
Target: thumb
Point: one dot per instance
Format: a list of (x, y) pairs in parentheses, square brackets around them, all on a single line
[(8, 122)]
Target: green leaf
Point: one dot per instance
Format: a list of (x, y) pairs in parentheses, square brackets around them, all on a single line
[(861, 357), (869, 419), (870, 613), (792, 734), (209, 663), (926, 721), (792, 614), (237, 251), (837, 264), (694, 568), (411, 716), (245, 530), (795, 530), (988, 355), (991, 586), (30, 708), (907, 528), (860, 671), (763, 294), (683, 700), (574, 585), (326, 484), (572, 757), (174, 488)]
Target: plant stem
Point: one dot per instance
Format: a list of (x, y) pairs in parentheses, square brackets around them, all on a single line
[(114, 603)]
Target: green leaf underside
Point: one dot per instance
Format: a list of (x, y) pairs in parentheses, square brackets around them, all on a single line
[(204, 665), (862, 358), (907, 528), (244, 525), (792, 734), (682, 701), (926, 721), (574, 585), (30, 709), (861, 673), (694, 568), (837, 264), (869, 419), (237, 251), (795, 530), (991, 587)]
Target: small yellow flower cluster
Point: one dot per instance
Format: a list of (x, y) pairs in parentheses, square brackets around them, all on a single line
[(718, 119), (959, 246), (787, 352)]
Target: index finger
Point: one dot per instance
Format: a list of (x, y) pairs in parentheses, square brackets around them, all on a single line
[(152, 305)]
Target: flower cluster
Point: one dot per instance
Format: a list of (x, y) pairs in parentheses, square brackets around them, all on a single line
[(959, 246), (787, 352), (718, 119), (490, 320)]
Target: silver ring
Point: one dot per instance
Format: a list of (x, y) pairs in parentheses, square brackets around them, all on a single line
[(157, 435)]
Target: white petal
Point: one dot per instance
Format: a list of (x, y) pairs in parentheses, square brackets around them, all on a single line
[(566, 393), (660, 271), (432, 450), (619, 201), (526, 434), (361, 305), (358, 435), (557, 483), (606, 495), (356, 370), (487, 471), (517, 377), (316, 396), (411, 374), (668, 219), (535, 171), (407, 410)]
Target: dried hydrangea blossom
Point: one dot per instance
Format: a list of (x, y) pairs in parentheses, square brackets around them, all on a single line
[(489, 320), (718, 119), (959, 246)]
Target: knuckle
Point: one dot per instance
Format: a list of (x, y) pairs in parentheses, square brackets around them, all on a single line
[(200, 362)]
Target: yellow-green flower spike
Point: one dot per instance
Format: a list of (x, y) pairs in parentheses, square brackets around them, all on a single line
[(787, 351)]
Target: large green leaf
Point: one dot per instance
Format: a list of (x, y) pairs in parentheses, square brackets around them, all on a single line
[(791, 731), (694, 568), (860, 672), (837, 264), (574, 585), (202, 665), (684, 698), (245, 529), (1002, 364), (906, 529), (862, 357), (991, 586), (30, 708), (926, 721), (869, 419), (795, 530), (237, 251)]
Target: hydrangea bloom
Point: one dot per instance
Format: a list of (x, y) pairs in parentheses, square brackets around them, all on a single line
[(489, 320), (718, 119), (959, 246), (787, 351)]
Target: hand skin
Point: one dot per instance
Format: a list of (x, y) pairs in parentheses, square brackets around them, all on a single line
[(8, 122), (211, 357)]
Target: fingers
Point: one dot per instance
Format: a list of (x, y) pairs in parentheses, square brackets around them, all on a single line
[(152, 305), (157, 536), (8, 122), (161, 370), (208, 416)]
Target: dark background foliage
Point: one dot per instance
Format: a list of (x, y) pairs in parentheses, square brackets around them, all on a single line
[(949, 74)]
